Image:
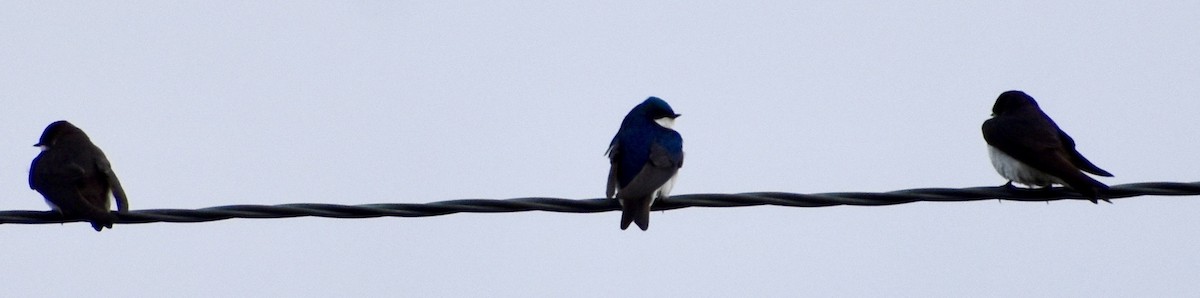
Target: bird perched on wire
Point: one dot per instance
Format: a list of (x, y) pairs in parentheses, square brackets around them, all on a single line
[(644, 158), (75, 177), (1027, 147)]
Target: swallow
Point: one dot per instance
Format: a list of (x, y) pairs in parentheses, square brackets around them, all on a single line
[(644, 158), (75, 177), (1027, 147)]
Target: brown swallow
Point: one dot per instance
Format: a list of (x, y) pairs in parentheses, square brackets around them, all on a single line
[(75, 177), (1027, 147)]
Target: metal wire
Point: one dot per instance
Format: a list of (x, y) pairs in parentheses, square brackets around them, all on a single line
[(604, 205)]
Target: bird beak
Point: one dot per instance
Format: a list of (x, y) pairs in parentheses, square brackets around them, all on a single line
[(676, 116)]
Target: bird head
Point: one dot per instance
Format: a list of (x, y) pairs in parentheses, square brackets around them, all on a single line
[(1012, 100), (56, 131), (658, 110)]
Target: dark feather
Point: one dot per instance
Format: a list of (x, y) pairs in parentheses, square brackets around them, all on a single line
[(75, 176), (612, 187), (1077, 158), (1021, 130), (639, 194)]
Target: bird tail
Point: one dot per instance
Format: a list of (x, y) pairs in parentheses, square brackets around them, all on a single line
[(1087, 166), (101, 220), (1088, 187), (637, 212)]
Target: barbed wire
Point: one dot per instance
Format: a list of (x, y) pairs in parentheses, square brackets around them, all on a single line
[(604, 205)]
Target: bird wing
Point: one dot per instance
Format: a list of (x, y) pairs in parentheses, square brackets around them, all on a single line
[(661, 166), (612, 153), (638, 196), (118, 192), (1077, 158), (1034, 143), (1038, 145)]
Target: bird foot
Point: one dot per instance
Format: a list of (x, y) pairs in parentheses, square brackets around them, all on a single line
[(1009, 185)]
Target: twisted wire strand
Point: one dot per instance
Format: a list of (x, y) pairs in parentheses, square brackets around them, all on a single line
[(604, 205)]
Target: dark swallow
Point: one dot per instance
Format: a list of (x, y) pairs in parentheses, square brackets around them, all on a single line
[(644, 157), (75, 177), (1027, 147)]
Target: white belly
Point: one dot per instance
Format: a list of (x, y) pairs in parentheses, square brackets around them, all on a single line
[(1012, 169)]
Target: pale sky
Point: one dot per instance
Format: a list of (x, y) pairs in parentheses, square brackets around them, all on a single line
[(209, 103)]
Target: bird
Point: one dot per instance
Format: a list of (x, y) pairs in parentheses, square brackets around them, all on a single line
[(644, 156), (1027, 147), (75, 177)]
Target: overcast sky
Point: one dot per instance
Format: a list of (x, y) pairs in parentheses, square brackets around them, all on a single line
[(209, 103)]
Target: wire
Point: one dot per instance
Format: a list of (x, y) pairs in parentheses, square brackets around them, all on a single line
[(604, 205)]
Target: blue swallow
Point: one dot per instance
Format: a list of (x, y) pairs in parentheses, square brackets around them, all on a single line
[(645, 155)]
